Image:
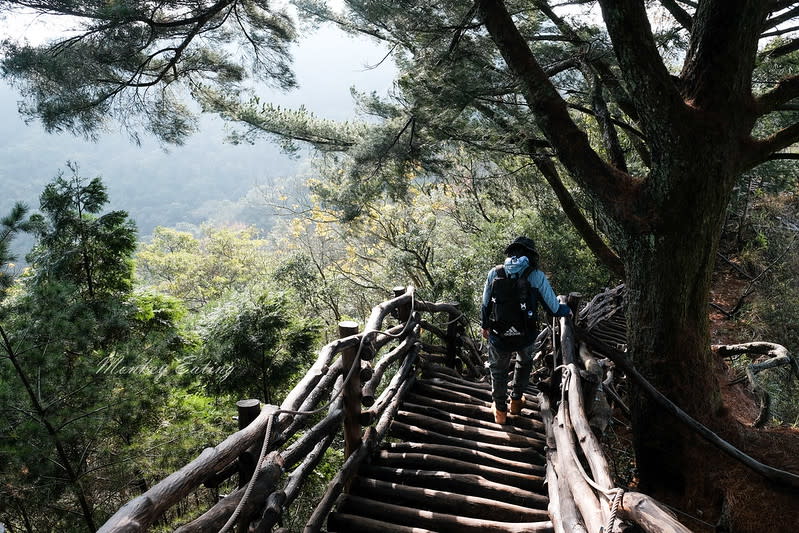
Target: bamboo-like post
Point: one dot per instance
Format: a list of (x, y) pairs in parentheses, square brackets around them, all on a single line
[(352, 390), (453, 328), (403, 310), (567, 341), (248, 411)]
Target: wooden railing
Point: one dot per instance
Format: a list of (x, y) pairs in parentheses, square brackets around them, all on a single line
[(322, 390), (581, 501), (342, 393)]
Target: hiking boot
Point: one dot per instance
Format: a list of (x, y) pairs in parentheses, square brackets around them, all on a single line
[(500, 417), (516, 406)]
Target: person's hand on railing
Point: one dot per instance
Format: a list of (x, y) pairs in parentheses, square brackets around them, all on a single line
[(484, 332)]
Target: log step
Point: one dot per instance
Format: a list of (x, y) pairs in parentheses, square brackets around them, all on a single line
[(437, 420), (441, 501), (416, 434), (530, 418), (464, 454), (466, 484), (448, 467), (442, 414), (435, 462), (441, 522)]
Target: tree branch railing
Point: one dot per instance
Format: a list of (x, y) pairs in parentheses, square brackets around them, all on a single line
[(283, 469), (585, 499), (580, 501)]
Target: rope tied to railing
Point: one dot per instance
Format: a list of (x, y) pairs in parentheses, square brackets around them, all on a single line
[(268, 433), (614, 509), (613, 495)]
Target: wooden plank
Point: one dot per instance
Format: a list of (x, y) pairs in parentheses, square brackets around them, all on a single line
[(467, 484), (442, 522), (446, 501), (413, 433), (436, 462), (474, 456)]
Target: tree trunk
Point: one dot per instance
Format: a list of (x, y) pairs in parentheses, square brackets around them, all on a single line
[(668, 283)]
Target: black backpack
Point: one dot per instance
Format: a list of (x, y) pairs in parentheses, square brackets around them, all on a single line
[(512, 305)]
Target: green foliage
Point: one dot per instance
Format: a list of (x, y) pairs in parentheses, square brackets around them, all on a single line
[(75, 245), (85, 367), (134, 60), (199, 270), (772, 253), (253, 347), (10, 226)]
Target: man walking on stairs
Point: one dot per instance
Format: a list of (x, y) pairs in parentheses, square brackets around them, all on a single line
[(508, 320)]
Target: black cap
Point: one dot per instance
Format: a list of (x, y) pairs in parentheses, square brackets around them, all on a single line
[(524, 244)]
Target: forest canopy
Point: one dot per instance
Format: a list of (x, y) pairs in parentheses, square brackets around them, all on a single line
[(628, 141)]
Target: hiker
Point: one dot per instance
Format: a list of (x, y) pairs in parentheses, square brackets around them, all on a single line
[(508, 320)]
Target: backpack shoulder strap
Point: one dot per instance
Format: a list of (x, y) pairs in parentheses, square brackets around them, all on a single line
[(527, 271)]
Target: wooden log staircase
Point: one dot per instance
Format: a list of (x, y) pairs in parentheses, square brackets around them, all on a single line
[(447, 466), (423, 452)]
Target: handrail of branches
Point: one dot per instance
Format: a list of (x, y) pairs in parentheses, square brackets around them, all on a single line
[(581, 501), (284, 469)]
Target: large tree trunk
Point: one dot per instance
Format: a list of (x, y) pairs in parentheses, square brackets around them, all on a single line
[(668, 282)]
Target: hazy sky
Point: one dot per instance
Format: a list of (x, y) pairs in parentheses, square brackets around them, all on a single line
[(326, 63)]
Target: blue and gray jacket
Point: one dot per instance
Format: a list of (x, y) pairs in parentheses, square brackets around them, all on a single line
[(539, 282)]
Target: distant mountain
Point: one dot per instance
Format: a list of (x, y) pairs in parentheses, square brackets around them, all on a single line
[(186, 184)]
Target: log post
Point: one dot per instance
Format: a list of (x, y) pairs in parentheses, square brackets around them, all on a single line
[(573, 301), (352, 390), (452, 337), (404, 310), (567, 340), (248, 411)]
